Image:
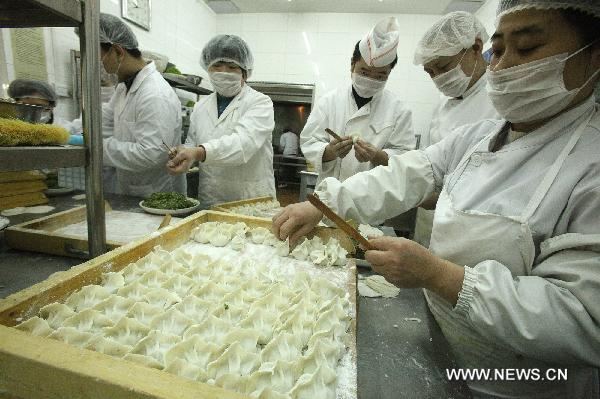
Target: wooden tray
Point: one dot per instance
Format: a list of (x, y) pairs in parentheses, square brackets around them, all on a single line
[(35, 367), (226, 206)]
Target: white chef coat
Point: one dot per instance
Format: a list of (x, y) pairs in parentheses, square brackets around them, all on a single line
[(475, 105), (288, 142), (141, 119), (548, 314), (239, 149), (384, 122)]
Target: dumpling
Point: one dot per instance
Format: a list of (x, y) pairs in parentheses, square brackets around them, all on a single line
[(55, 313), (171, 322), (336, 253), (301, 251), (232, 382), (113, 281), (35, 326), (183, 257), (282, 248), (281, 378), (230, 313), (237, 299), (199, 274), (211, 330), (247, 338), (108, 346), (153, 279), (235, 360), (172, 267), (210, 292), (331, 320), (238, 243), (284, 346), (143, 312), (324, 349), (219, 239), (72, 336), (155, 345), (87, 297), (186, 370), (194, 308), (203, 232), (135, 291), (88, 320), (259, 234), (326, 289), (271, 302), (320, 384), (253, 289), (127, 331), (262, 321), (268, 393), (114, 307), (318, 257), (194, 350), (131, 273), (299, 324), (179, 284), (147, 361), (161, 298)]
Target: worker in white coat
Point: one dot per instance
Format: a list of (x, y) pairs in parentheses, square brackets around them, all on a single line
[(512, 275), (451, 53), (231, 130), (143, 113), (371, 121)]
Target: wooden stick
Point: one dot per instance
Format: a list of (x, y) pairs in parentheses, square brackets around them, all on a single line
[(333, 134), (165, 222), (339, 222)]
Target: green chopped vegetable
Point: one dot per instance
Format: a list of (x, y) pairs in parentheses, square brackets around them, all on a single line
[(190, 103), (173, 69), (168, 201), (226, 306)]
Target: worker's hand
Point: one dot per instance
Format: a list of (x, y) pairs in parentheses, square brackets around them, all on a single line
[(337, 148), (405, 263), (296, 221), (365, 152), (181, 159)]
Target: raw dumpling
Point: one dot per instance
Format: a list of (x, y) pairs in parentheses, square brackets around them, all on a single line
[(332, 320), (114, 307), (147, 361), (284, 346), (262, 321), (282, 248), (281, 378), (108, 346), (87, 297), (219, 239), (194, 350), (135, 291), (211, 330), (210, 292), (155, 345), (204, 231), (200, 274), (238, 243), (131, 273), (153, 279), (259, 234), (230, 313), (127, 331), (161, 298), (247, 339), (194, 308), (88, 320), (55, 313), (113, 281), (320, 384), (171, 322), (72, 336), (36, 326), (253, 289), (299, 325), (301, 251), (232, 382), (235, 360), (143, 312), (172, 267), (326, 289), (186, 370), (179, 284)]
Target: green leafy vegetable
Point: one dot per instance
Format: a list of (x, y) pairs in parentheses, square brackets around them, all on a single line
[(168, 201)]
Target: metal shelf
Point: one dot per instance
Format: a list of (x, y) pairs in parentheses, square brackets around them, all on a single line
[(27, 158), (30, 13), (182, 84)]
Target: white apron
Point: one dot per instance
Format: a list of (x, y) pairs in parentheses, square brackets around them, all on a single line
[(470, 237)]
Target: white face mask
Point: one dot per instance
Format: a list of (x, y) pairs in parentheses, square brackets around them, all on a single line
[(367, 87), (532, 91), (227, 84), (454, 83)]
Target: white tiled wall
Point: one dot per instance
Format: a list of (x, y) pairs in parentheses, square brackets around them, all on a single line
[(316, 48), (180, 29), (487, 15)]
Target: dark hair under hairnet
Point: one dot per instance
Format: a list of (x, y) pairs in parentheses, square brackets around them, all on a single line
[(21, 88), (115, 30), (227, 48)]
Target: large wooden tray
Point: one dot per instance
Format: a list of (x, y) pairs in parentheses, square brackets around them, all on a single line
[(35, 367), (226, 206)]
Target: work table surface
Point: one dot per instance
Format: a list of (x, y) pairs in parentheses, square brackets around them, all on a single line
[(401, 350)]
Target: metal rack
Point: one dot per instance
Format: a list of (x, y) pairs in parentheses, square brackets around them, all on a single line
[(83, 14)]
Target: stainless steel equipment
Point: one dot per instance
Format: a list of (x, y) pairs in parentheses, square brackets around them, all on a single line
[(24, 112)]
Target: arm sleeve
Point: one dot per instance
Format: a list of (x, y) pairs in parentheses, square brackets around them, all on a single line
[(314, 138), (552, 314), (402, 138), (154, 123), (383, 192), (191, 140), (252, 130)]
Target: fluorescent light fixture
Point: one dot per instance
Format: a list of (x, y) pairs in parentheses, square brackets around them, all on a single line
[(306, 43)]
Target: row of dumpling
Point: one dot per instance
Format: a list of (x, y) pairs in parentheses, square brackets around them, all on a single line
[(313, 250), (258, 209)]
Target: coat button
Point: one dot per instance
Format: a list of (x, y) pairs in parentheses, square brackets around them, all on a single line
[(476, 160)]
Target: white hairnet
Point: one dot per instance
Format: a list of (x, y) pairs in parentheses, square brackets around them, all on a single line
[(114, 31), (450, 35), (588, 6), (378, 47), (20, 88), (227, 48)]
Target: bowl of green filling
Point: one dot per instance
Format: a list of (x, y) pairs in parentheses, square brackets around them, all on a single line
[(169, 203)]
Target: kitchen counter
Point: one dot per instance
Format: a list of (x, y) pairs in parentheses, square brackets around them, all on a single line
[(401, 350)]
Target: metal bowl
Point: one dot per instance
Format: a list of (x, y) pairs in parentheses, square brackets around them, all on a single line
[(24, 112)]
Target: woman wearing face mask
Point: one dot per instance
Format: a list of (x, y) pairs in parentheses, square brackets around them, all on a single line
[(512, 275), (451, 53), (34, 92), (372, 122), (143, 113), (230, 130)]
